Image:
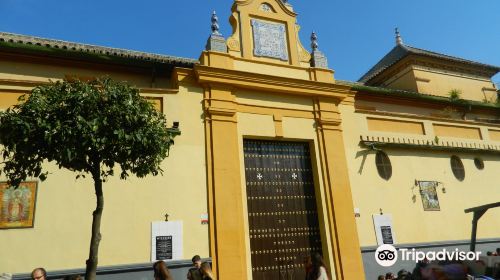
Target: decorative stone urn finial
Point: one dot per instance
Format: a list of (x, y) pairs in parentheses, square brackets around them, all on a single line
[(399, 40), (318, 59), (216, 42), (215, 24), (314, 41)]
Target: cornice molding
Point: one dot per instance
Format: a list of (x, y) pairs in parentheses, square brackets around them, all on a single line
[(25, 86), (183, 76), (413, 117), (158, 90), (269, 83), (22, 83)]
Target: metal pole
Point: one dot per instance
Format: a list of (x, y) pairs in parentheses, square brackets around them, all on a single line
[(473, 235), (477, 215)]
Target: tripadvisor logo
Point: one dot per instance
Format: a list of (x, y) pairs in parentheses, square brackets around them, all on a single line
[(386, 255)]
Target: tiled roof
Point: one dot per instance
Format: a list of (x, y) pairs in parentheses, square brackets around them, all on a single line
[(401, 51), (363, 89), (24, 41)]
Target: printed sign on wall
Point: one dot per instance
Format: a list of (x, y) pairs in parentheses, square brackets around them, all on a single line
[(164, 247), (166, 241), (384, 229)]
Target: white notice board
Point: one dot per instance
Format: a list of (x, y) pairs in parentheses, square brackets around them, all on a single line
[(166, 241), (384, 229)]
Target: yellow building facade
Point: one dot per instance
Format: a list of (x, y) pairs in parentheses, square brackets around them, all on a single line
[(260, 86)]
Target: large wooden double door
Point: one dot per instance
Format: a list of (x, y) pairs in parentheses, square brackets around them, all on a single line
[(282, 211)]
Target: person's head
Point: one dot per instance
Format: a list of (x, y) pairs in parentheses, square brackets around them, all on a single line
[(307, 261), (403, 273), (381, 277), (39, 273), (317, 260), (316, 264), (489, 253), (390, 275), (161, 271), (206, 270), (498, 251), (196, 261)]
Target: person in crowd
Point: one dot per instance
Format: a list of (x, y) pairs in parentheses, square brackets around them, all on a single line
[(206, 271), (194, 272), (161, 271), (307, 265), (381, 277), (497, 251), (318, 268), (39, 273), (390, 276), (5, 276), (489, 253), (403, 274)]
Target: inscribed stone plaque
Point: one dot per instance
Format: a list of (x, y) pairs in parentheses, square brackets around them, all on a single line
[(384, 229), (269, 40), (166, 241), (164, 247)]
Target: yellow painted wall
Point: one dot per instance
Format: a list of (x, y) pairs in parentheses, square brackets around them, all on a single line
[(274, 101), (8, 98), (61, 236), (270, 69), (396, 126), (443, 130), (404, 80), (494, 135), (411, 223), (441, 83), (14, 70)]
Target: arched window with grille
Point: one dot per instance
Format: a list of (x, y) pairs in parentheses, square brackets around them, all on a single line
[(384, 166), (457, 167), (479, 163)]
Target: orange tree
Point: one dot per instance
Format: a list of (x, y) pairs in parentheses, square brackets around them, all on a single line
[(86, 127)]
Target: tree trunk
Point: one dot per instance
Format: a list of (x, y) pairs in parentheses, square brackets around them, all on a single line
[(90, 273)]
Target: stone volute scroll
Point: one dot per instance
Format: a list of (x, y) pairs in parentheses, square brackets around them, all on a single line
[(318, 59), (216, 42)]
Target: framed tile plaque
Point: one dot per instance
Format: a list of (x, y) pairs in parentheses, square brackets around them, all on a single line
[(429, 196), (269, 39), (17, 206)]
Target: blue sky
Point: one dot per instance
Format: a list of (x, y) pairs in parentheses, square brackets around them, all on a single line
[(354, 34)]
